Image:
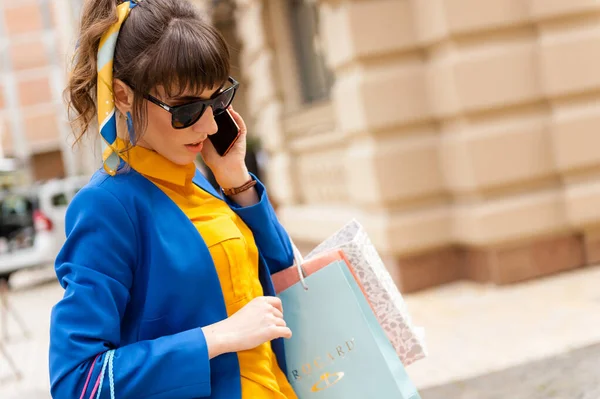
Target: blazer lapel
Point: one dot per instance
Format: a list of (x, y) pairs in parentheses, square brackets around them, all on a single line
[(204, 184)]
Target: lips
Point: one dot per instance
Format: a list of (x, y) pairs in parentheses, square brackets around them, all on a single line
[(195, 147)]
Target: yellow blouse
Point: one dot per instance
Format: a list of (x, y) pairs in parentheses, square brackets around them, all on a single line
[(235, 256)]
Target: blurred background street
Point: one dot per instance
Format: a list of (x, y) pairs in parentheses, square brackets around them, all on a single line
[(463, 135)]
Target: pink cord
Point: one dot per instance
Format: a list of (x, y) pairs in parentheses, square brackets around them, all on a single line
[(96, 386), (87, 381)]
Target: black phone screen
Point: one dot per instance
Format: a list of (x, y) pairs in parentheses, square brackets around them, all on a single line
[(227, 134)]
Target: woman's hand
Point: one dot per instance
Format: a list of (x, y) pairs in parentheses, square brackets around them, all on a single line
[(230, 171), (260, 321)]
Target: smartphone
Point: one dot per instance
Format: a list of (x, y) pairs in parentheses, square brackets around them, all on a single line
[(227, 134)]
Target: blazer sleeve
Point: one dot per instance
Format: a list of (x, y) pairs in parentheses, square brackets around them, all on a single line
[(96, 267), (271, 238)]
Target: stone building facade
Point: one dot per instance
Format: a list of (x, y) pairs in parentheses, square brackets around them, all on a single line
[(463, 134), (35, 42)]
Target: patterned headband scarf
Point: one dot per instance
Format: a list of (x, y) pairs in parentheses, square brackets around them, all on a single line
[(107, 120)]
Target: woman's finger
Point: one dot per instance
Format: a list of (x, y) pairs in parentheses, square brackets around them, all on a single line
[(275, 302), (280, 322), (284, 332), (277, 313), (238, 119)]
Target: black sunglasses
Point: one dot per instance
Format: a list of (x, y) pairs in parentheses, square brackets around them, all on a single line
[(185, 115)]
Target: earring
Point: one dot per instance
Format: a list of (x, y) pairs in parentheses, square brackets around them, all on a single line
[(130, 129)]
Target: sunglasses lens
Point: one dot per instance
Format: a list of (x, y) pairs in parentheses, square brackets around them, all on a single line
[(223, 101), (187, 115)]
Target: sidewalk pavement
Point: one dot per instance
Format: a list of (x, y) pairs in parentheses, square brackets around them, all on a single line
[(473, 330), (574, 375), (511, 338), (35, 294)]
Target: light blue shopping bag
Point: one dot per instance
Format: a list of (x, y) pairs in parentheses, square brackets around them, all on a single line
[(338, 349)]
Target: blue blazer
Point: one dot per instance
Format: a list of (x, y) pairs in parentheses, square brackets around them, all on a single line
[(139, 278)]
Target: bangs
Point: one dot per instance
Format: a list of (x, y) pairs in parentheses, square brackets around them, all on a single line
[(190, 58)]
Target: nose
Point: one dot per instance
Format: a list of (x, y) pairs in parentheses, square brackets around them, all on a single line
[(206, 124)]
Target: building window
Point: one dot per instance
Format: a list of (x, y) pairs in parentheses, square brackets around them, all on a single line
[(315, 78)]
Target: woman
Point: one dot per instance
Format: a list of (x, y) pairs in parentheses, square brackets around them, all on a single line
[(167, 282)]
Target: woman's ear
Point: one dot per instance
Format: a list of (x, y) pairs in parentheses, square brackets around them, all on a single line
[(123, 96)]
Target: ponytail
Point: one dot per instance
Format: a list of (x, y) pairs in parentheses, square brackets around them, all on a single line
[(97, 16)]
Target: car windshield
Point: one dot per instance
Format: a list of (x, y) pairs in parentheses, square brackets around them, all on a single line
[(15, 212)]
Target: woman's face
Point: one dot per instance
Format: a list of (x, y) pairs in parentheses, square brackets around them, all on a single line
[(180, 146)]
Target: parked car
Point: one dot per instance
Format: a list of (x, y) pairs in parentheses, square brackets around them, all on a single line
[(32, 227)]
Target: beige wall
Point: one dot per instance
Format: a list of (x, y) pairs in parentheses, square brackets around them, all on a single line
[(462, 133), (36, 39)]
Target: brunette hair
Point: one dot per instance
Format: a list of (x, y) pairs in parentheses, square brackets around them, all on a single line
[(162, 43)]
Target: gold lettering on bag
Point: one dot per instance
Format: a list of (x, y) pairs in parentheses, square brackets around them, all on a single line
[(326, 380), (296, 375), (306, 369), (348, 343), (318, 363)]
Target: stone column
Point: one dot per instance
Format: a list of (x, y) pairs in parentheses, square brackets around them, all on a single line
[(394, 179), (263, 93), (569, 54)]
